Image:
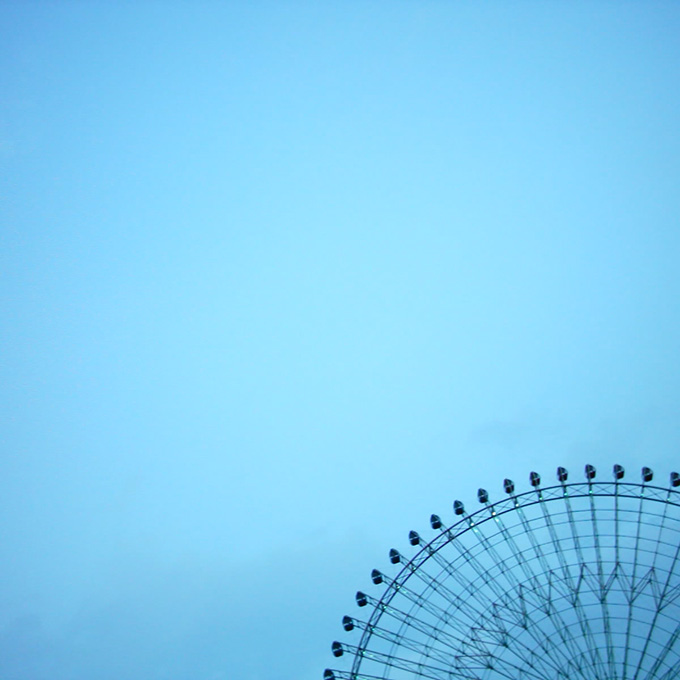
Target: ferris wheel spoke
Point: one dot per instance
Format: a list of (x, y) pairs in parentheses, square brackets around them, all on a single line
[(479, 569), (482, 601), (409, 620), (561, 647), (661, 658), (634, 586), (417, 668), (611, 660), (533, 588), (570, 587), (567, 575), (497, 625), (544, 660), (494, 628), (673, 638), (557, 620), (586, 631), (483, 638), (423, 603), (428, 651), (439, 638), (515, 603), (499, 666), (434, 584), (670, 674), (493, 633), (669, 593)]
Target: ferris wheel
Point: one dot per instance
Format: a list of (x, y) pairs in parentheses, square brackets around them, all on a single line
[(570, 581)]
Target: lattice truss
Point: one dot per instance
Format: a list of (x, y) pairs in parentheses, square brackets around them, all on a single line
[(573, 581)]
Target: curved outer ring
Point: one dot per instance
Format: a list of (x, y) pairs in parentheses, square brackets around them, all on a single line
[(513, 502)]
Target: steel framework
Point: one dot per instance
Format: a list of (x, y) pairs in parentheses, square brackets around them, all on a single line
[(578, 580)]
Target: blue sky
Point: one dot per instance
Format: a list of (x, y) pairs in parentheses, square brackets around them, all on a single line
[(278, 280)]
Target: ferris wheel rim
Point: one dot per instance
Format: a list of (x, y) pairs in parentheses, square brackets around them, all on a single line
[(643, 491)]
